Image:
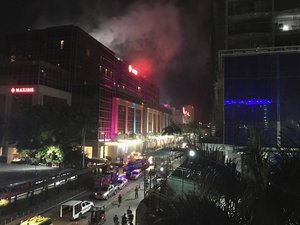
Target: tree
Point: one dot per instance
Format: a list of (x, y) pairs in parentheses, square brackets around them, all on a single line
[(266, 192), (172, 129), (40, 127)]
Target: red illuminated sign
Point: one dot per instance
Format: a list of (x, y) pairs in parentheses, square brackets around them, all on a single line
[(23, 90)]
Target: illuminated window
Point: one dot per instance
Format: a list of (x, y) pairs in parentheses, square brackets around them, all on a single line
[(88, 52), (139, 88), (62, 42), (13, 58)]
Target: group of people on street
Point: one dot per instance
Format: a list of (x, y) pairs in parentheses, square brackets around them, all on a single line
[(126, 218)]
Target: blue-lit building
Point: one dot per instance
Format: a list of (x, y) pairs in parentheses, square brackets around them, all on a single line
[(260, 95)]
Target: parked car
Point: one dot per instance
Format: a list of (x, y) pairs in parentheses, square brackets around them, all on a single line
[(121, 182), (74, 209), (136, 174), (106, 192)]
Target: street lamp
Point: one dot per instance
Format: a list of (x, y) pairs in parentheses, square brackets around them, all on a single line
[(83, 132), (191, 154)]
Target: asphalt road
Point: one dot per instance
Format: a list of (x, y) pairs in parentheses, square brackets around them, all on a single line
[(111, 206)]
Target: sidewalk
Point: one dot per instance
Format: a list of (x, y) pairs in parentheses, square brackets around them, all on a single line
[(128, 200)]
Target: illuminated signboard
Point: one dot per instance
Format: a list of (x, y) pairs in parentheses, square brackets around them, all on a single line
[(22, 90)]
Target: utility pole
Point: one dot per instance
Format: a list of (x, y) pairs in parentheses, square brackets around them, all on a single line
[(83, 146)]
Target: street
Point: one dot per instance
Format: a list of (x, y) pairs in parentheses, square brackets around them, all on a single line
[(111, 206)]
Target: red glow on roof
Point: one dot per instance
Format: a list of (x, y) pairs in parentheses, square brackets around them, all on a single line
[(144, 66)]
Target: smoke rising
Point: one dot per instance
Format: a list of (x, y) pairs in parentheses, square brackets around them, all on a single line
[(148, 35), (166, 40)]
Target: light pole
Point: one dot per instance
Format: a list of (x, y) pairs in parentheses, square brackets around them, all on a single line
[(83, 146), (184, 171)]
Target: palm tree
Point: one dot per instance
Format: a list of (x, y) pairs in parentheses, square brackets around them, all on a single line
[(266, 193), (172, 129)]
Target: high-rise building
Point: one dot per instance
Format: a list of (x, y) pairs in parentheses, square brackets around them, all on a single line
[(245, 32), (126, 104)]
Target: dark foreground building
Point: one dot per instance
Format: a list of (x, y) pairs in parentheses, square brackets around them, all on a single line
[(261, 95), (244, 28)]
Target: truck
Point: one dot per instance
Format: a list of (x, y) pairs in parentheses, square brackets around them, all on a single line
[(74, 209)]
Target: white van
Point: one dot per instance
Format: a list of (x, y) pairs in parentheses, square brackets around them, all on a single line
[(74, 209)]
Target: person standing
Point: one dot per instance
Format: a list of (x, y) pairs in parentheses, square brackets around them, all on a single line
[(129, 211), (119, 200), (124, 219), (116, 220), (136, 190), (130, 218)]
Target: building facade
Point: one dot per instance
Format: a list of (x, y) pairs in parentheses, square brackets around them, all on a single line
[(252, 27), (127, 106), (261, 95)]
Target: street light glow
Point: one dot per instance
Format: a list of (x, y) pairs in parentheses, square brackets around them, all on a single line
[(192, 153)]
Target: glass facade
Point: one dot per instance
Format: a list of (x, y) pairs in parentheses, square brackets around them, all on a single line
[(121, 119), (138, 121), (131, 120), (261, 96)]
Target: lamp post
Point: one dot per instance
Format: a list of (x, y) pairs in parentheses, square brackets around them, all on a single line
[(191, 154), (83, 146)]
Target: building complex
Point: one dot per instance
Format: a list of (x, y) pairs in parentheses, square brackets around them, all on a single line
[(66, 65)]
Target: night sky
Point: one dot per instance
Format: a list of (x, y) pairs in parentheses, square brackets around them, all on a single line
[(167, 41)]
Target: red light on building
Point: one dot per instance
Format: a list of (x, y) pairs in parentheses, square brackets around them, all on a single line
[(23, 90)]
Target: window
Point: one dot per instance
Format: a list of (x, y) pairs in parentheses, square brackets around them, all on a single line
[(13, 58), (131, 120), (138, 121), (62, 42), (88, 52), (121, 119)]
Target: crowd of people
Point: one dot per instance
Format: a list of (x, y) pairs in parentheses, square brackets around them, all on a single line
[(126, 218)]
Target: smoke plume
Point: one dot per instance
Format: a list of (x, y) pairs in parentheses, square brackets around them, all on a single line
[(147, 35)]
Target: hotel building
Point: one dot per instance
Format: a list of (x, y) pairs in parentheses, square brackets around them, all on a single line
[(88, 75)]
